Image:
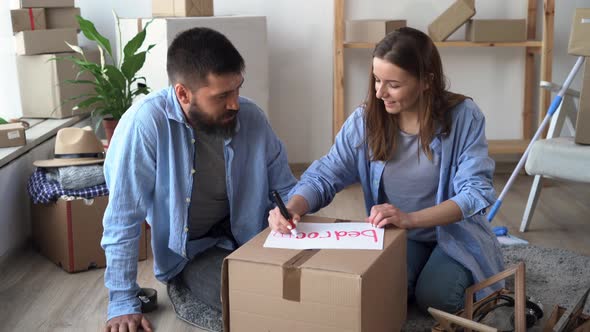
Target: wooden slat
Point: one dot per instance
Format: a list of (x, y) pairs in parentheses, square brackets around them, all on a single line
[(460, 43), (529, 72), (338, 98), (508, 146), (546, 56), (38, 133)]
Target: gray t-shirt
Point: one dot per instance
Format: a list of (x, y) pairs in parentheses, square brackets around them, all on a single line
[(410, 181), (209, 203)]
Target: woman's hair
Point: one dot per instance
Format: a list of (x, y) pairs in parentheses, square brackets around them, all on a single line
[(414, 52)]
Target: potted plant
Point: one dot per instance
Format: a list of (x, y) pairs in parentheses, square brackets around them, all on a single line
[(115, 85)]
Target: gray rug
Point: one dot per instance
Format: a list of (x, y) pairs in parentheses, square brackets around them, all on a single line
[(553, 276)]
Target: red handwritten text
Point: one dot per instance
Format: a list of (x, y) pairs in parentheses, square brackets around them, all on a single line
[(337, 235)]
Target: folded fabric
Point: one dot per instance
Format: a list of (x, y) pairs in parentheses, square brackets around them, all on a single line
[(77, 177), (44, 191)]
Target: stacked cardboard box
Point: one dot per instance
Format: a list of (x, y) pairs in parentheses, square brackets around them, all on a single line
[(496, 30), (370, 31), (461, 12), (42, 28), (451, 19), (182, 8)]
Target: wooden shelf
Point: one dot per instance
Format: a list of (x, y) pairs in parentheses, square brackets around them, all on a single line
[(542, 45), (507, 146), (459, 43)]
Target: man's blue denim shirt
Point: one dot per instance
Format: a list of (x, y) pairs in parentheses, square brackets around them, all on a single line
[(149, 173)]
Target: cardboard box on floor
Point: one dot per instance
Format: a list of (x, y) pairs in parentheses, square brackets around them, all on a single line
[(45, 41), (495, 30), (451, 19), (28, 19), (182, 8), (43, 87), (325, 290), (582, 135), (12, 134), (69, 233), (370, 31), (62, 18)]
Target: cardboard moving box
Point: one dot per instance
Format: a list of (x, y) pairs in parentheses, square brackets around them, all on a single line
[(12, 134), (46, 3), (496, 30), (69, 233), (43, 87), (182, 8), (370, 31), (325, 290), (45, 41), (62, 18), (28, 19), (579, 43), (451, 19), (583, 121)]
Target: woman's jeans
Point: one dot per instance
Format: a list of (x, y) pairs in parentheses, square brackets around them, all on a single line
[(435, 279)]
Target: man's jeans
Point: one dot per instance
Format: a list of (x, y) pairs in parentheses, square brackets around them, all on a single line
[(435, 279), (202, 276)]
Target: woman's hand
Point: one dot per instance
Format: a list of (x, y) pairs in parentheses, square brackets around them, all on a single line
[(297, 206), (384, 214), (278, 223)]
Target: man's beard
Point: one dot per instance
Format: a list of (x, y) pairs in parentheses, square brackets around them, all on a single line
[(212, 126)]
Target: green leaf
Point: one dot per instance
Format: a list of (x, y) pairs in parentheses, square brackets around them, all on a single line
[(90, 32), (115, 76), (80, 82), (135, 43), (133, 64), (88, 102)]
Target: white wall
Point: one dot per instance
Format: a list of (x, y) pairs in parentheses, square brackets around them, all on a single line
[(301, 91), (300, 37)]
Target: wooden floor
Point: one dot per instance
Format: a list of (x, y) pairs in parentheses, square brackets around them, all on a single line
[(35, 295)]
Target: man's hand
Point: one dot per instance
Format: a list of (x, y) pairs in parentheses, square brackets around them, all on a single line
[(131, 323)]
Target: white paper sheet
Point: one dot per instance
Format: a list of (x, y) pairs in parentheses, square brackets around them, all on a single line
[(355, 235)]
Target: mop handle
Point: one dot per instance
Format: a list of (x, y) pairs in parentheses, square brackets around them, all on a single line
[(552, 108)]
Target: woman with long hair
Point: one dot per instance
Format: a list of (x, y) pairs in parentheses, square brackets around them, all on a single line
[(421, 156)]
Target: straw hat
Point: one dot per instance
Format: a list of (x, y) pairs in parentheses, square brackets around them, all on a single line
[(75, 146)]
